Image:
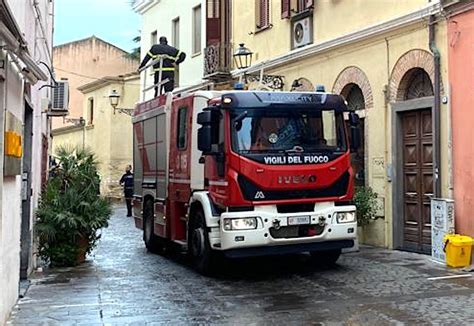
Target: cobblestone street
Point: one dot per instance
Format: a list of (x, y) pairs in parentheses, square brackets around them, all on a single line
[(123, 284)]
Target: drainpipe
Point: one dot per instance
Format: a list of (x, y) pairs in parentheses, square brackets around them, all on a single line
[(437, 106)]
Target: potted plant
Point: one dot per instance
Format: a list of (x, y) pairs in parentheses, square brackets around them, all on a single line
[(71, 211), (365, 200)]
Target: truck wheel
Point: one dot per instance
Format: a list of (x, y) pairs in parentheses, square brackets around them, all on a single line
[(328, 257), (152, 242), (202, 256)]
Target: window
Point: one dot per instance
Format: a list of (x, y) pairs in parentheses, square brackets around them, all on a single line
[(295, 6), (280, 131), (175, 32), (181, 141), (263, 14), (303, 5), (197, 30), (154, 38), (90, 111), (175, 43), (285, 9)]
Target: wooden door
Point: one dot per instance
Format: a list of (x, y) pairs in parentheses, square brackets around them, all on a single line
[(417, 179)]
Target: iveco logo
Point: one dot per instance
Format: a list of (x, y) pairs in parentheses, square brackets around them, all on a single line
[(259, 195), (296, 179)]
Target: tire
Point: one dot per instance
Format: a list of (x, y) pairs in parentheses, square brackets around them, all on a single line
[(152, 242), (199, 249), (328, 257)]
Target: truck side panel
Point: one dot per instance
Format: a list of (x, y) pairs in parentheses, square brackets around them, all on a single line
[(162, 159), (180, 165), (161, 227), (149, 146), (137, 171)]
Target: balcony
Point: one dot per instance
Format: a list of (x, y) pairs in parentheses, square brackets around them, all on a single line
[(218, 61)]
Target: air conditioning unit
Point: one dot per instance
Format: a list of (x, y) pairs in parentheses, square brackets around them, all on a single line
[(302, 32), (60, 100)]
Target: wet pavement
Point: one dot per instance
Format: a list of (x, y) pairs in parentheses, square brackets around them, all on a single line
[(122, 284)]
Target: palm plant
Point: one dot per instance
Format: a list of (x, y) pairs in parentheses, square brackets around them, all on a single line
[(365, 200), (71, 211)]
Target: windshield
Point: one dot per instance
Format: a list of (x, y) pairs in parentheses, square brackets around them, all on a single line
[(278, 130)]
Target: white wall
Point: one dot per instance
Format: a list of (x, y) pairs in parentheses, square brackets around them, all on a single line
[(10, 245), (11, 202), (159, 18), (38, 36)]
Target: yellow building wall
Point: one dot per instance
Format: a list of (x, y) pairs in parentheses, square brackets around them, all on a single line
[(67, 138), (83, 62), (331, 19), (109, 136), (377, 58)]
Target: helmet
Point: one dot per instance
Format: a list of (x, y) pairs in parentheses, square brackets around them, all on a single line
[(163, 40)]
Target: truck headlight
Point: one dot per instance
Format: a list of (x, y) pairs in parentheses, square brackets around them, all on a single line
[(246, 223), (345, 217)]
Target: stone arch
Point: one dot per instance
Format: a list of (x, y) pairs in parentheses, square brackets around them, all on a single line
[(417, 58), (354, 76)]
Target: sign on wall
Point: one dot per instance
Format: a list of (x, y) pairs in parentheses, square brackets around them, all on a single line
[(13, 146)]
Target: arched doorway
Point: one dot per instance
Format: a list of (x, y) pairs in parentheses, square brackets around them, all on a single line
[(356, 102), (416, 83), (353, 84), (412, 137)]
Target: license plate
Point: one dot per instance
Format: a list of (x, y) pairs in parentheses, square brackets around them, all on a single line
[(298, 220)]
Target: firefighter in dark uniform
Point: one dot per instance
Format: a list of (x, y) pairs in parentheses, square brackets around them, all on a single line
[(127, 182), (171, 57)]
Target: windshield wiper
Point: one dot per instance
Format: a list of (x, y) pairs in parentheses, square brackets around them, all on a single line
[(238, 120), (295, 149)]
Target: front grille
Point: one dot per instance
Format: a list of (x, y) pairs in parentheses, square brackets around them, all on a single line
[(252, 192), (296, 231)]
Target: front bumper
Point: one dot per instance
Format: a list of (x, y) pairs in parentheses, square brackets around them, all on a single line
[(288, 249), (264, 241)]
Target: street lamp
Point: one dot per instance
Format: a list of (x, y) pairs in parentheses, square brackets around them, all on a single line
[(242, 57), (114, 98)]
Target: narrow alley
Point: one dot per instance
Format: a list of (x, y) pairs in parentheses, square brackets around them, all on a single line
[(123, 284)]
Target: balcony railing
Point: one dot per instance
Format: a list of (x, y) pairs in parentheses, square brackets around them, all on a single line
[(217, 61)]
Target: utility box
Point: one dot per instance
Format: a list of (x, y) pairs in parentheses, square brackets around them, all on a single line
[(442, 223)]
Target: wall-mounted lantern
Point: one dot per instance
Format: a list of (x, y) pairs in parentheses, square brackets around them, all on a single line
[(242, 57), (114, 99)]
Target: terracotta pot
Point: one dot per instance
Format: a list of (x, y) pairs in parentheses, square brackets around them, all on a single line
[(83, 244)]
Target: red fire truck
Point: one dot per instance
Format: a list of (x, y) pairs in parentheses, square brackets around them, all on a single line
[(245, 173)]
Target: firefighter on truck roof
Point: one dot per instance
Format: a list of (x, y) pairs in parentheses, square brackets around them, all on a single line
[(171, 58)]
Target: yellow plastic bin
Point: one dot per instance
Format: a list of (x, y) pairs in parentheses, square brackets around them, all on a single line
[(458, 250)]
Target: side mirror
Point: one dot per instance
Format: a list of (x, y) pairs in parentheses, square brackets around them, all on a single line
[(207, 134), (205, 139), (208, 117)]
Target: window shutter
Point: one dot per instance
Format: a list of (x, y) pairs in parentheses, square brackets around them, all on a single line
[(213, 22), (285, 9), (309, 3), (264, 14)]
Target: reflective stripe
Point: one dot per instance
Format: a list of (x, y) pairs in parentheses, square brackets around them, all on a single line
[(164, 69), (165, 56)]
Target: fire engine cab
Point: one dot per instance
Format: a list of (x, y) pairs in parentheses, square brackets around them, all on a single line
[(245, 173)]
